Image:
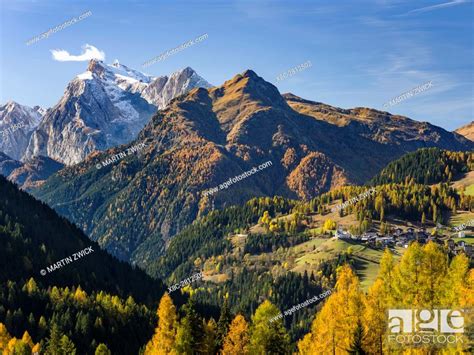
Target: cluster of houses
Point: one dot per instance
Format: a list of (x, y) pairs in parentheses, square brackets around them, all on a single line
[(460, 247), (401, 238)]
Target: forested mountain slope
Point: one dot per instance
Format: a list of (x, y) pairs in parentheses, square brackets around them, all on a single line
[(208, 136)]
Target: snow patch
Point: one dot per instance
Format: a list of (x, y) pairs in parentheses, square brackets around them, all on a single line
[(85, 76)]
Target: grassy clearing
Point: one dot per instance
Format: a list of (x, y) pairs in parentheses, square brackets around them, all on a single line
[(311, 253), (469, 190), (466, 182), (460, 218)]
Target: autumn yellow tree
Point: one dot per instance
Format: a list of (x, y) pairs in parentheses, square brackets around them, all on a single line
[(422, 278), (4, 337), (335, 325), (406, 285), (375, 318), (165, 333), (265, 219), (102, 349), (387, 274), (305, 345), (457, 279), (467, 290), (80, 295), (433, 275), (379, 298), (237, 339), (17, 346), (329, 224)]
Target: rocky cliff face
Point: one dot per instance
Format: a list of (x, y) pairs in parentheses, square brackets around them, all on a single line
[(208, 136), (17, 122), (105, 106), (163, 89)]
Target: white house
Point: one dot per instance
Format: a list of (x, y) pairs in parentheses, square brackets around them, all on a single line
[(340, 234)]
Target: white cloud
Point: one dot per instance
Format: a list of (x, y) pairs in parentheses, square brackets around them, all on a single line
[(439, 6), (88, 52)]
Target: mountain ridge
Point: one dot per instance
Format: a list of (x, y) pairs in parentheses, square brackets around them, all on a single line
[(203, 138)]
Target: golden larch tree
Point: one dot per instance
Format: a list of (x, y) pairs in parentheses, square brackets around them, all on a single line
[(335, 325), (237, 339), (4, 337), (165, 333)]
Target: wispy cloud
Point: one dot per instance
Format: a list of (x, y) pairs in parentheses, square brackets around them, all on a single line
[(439, 6), (88, 52)]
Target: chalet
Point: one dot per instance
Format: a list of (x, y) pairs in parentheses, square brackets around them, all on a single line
[(368, 236), (401, 241), (387, 240), (340, 234)]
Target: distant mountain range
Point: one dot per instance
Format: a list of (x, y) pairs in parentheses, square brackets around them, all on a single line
[(103, 107), (207, 136)]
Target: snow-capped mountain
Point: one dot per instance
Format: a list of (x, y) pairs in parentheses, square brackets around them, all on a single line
[(16, 125), (162, 90), (105, 106)]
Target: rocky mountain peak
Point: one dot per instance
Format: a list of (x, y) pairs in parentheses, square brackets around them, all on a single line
[(103, 107), (42, 111), (161, 90), (96, 66), (9, 105), (242, 96), (249, 73), (16, 125)]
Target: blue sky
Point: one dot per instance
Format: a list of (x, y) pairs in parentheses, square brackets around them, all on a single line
[(363, 52)]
